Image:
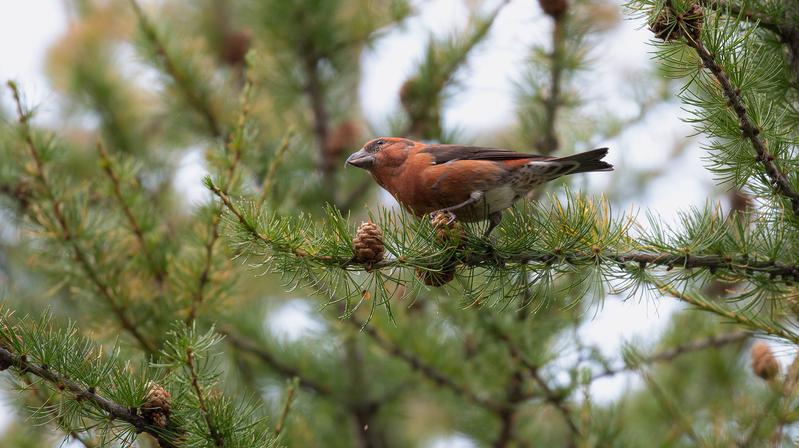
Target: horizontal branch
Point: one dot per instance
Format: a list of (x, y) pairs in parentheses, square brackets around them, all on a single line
[(740, 264), (114, 410), (716, 341)]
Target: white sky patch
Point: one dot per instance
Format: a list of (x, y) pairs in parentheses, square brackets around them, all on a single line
[(27, 29), (188, 179), (624, 321), (456, 440), (293, 320)]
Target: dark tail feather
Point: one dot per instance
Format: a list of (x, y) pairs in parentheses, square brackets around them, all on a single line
[(589, 161)]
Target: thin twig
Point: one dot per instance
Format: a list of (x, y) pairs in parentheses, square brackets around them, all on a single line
[(54, 412), (193, 98), (714, 308), (669, 406), (234, 149), (88, 394), (198, 392), (428, 371), (67, 234), (280, 367), (277, 160), (671, 354), (550, 396), (549, 143), (106, 163), (290, 392), (785, 26)]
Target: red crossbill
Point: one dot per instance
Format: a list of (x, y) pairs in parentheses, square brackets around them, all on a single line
[(471, 183)]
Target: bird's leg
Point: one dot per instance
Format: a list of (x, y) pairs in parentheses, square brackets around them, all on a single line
[(493, 221), (474, 197)]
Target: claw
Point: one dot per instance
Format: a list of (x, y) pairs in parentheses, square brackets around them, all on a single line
[(450, 216)]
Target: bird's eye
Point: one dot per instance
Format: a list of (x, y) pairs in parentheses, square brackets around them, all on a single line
[(375, 146)]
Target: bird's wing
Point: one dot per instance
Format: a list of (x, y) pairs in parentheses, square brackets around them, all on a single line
[(448, 153)]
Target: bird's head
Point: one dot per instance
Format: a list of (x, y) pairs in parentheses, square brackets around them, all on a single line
[(383, 152)]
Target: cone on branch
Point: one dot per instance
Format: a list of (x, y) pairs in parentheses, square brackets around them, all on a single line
[(437, 278), (157, 409), (448, 232), (554, 8), (764, 364), (234, 48), (669, 26), (368, 244)]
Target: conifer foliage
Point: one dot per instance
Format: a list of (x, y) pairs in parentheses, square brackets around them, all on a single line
[(132, 316)]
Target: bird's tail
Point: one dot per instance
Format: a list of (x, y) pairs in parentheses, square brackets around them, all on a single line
[(588, 161)]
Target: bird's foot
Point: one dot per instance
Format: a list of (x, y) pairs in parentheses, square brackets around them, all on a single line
[(448, 214)]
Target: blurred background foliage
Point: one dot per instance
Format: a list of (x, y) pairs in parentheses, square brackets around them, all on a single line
[(266, 96)]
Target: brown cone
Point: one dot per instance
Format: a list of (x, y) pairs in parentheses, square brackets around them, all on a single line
[(368, 244), (157, 408), (447, 232), (436, 278), (235, 46), (554, 8), (669, 27), (764, 364)]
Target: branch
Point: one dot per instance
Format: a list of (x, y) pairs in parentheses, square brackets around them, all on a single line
[(428, 371), (552, 397), (54, 412), (321, 123), (749, 130), (734, 316), (106, 164), (738, 264), (198, 392), (550, 142), (724, 7), (114, 410), (671, 354), (286, 405), (283, 369), (676, 414), (234, 147), (193, 98), (67, 233)]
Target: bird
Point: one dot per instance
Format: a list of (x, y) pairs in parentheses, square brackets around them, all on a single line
[(468, 183)]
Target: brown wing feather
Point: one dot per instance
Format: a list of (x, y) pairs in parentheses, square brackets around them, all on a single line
[(448, 153)]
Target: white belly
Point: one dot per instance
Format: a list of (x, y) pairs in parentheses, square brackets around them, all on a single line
[(500, 198)]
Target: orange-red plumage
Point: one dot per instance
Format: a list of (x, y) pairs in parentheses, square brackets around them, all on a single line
[(470, 182)]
